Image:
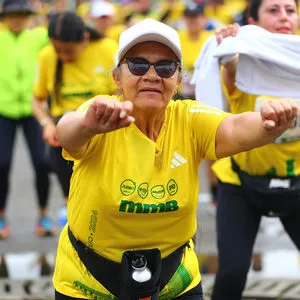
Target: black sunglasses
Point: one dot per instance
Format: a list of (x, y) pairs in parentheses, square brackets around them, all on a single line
[(164, 68)]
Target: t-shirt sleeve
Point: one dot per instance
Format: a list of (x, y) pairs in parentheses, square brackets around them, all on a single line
[(41, 79), (94, 141), (205, 121)]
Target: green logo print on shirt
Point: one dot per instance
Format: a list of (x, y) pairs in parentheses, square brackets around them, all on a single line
[(289, 169), (128, 187)]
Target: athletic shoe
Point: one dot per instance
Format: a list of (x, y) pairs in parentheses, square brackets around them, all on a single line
[(45, 227), (4, 229)]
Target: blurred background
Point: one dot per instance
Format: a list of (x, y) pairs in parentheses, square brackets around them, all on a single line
[(27, 260)]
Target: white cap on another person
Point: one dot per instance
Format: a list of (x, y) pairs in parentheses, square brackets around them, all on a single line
[(149, 30), (101, 8)]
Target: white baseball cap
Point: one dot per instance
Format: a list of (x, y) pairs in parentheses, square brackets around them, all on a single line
[(101, 8), (149, 30)]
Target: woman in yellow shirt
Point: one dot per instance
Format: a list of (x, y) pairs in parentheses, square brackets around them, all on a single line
[(134, 189), (76, 66), (261, 182)]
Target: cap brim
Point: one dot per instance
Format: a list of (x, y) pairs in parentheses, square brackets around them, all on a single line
[(150, 37)]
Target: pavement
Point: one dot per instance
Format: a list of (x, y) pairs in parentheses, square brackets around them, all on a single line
[(24, 251)]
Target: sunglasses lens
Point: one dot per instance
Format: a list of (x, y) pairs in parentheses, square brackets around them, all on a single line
[(138, 66), (166, 68)]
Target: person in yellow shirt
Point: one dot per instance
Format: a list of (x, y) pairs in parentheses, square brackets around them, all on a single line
[(192, 38), (219, 12), (171, 12), (134, 190), (261, 182), (102, 16), (76, 66)]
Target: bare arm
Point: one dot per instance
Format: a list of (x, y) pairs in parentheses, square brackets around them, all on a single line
[(43, 116), (229, 70), (242, 132), (40, 109), (75, 129)]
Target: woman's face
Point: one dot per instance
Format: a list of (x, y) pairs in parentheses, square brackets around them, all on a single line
[(103, 23), (195, 23), (149, 91), (67, 52), (16, 22), (278, 16)]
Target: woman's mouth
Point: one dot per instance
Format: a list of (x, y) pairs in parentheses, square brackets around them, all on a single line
[(284, 30)]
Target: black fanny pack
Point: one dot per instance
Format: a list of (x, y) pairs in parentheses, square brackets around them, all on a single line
[(116, 277), (267, 184), (273, 196)]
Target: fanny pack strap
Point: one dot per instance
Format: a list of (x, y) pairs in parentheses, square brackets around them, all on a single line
[(235, 167), (105, 271), (108, 272)]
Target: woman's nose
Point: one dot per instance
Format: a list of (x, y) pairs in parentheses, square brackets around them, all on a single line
[(283, 13), (151, 73)]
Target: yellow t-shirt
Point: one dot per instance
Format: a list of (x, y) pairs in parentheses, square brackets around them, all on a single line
[(223, 13), (115, 31), (190, 51), (175, 11), (88, 76), (125, 183), (276, 159)]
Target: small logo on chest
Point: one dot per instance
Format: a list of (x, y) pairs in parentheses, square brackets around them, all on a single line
[(177, 161)]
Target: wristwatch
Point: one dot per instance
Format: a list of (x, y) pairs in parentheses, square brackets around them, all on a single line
[(45, 121)]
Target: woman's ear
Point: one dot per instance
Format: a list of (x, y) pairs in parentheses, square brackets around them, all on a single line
[(86, 38), (251, 21), (116, 75), (179, 79)]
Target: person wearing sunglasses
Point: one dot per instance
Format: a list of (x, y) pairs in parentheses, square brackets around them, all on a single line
[(134, 187)]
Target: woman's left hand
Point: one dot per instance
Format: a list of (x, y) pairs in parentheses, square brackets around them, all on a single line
[(279, 115)]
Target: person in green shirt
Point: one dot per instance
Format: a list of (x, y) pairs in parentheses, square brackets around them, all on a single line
[(18, 59)]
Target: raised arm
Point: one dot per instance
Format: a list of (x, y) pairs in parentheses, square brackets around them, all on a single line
[(75, 129), (242, 132), (229, 69)]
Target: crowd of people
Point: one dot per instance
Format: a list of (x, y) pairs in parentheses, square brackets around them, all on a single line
[(70, 71), (103, 93)]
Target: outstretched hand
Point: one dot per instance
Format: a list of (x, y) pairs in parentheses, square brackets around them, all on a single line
[(279, 115), (108, 114)]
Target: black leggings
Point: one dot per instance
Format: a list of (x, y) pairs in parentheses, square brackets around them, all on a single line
[(62, 168), (194, 294), (37, 151), (238, 217)]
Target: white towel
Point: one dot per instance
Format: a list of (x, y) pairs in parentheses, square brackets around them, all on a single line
[(269, 64)]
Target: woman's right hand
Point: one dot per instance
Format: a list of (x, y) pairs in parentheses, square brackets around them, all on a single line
[(226, 31), (49, 135)]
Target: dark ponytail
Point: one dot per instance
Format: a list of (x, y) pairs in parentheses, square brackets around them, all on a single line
[(67, 27)]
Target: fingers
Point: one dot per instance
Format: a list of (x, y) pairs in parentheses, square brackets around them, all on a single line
[(279, 113), (229, 30), (110, 114)]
